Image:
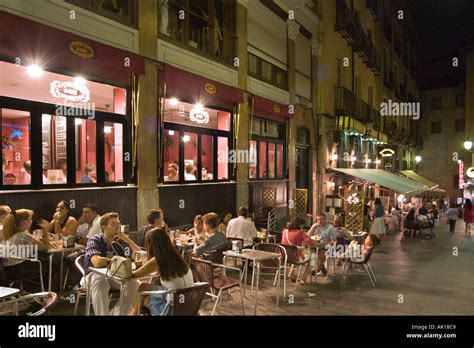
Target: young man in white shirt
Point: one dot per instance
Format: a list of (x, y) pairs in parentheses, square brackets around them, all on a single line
[(88, 224), (242, 228)]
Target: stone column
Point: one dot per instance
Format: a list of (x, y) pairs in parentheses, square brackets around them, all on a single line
[(293, 32), (243, 116), (147, 194)]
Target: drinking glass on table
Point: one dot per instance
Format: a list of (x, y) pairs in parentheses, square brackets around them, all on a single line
[(138, 259)]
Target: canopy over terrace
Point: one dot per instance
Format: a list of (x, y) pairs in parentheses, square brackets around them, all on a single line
[(433, 187), (387, 179)]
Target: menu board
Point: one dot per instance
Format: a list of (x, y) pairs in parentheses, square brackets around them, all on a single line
[(61, 136), (46, 141)]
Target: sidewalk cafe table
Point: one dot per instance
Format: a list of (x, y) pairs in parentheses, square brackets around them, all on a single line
[(257, 256), (56, 249)]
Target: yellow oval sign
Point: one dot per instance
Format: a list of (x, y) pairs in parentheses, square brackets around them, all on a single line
[(276, 108), (210, 88), (81, 49)]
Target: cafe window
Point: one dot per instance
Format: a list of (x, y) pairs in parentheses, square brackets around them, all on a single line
[(266, 71), (123, 11), (266, 150), (80, 125), (16, 150), (196, 143), (54, 149), (206, 26)]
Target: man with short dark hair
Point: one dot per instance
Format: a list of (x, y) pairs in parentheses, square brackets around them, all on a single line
[(155, 219), (216, 240), (242, 228), (88, 224), (98, 248)]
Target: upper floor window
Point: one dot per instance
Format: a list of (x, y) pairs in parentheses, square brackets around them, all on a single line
[(460, 125), (203, 25), (460, 100), (436, 127), (266, 71), (124, 11), (436, 103)]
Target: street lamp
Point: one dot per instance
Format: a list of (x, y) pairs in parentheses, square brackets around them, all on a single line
[(468, 145), (418, 159)]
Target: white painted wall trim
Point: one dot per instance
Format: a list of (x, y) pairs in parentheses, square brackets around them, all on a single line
[(267, 57)]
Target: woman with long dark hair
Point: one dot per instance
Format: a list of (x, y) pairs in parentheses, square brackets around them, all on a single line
[(63, 223), (468, 215), (169, 264)]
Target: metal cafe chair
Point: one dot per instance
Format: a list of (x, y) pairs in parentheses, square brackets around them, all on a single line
[(32, 279), (292, 259), (272, 265), (364, 262), (186, 301), (220, 283), (46, 299)]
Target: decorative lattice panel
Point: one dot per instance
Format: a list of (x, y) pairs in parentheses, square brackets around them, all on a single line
[(269, 194), (354, 210), (385, 202), (300, 203)]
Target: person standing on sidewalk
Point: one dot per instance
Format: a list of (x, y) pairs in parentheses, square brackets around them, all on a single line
[(468, 216), (452, 217)]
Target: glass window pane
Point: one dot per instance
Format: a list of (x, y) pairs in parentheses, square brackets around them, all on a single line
[(113, 152), (190, 156), (253, 64), (16, 161), (223, 167), (198, 33), (207, 157), (280, 160), (86, 170), (223, 120), (262, 165), (253, 159), (267, 69), (54, 138), (171, 155), (271, 160), (169, 21)]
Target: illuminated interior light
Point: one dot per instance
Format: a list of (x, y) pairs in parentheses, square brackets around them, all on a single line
[(80, 80), (198, 107), (186, 138), (107, 129), (34, 70), (78, 121), (334, 157), (171, 132), (174, 101)]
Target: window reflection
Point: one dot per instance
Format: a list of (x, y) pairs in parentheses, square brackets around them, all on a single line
[(223, 166), (86, 170), (280, 160), (54, 149), (262, 165), (171, 155), (16, 162), (253, 160), (271, 160), (113, 152), (207, 157), (190, 156)]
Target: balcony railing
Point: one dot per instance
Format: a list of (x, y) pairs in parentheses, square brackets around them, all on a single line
[(374, 117), (372, 7), (345, 23), (362, 111), (346, 102), (389, 79), (374, 60), (124, 11), (387, 30)]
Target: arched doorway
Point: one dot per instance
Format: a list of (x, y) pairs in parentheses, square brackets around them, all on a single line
[(302, 157)]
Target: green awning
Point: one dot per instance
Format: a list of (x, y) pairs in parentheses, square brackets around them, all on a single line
[(417, 177), (387, 179)]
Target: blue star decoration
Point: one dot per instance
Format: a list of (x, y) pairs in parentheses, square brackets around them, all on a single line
[(16, 133)]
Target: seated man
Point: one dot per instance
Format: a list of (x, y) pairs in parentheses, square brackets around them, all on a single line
[(242, 228), (155, 219), (327, 235), (99, 247), (216, 240)]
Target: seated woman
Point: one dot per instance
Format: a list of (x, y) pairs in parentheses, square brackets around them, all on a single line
[(16, 232), (357, 254), (341, 233), (63, 223), (197, 231), (173, 271), (225, 218), (294, 235)]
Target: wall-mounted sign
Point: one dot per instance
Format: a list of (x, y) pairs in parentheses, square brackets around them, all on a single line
[(277, 108), (210, 88), (470, 172), (70, 91), (387, 153), (461, 174), (81, 49), (9, 179), (199, 116)]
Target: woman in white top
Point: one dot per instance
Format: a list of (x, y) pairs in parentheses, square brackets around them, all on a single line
[(16, 233), (170, 265)]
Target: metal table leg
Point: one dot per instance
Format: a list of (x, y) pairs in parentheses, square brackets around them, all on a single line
[(257, 264), (50, 271), (88, 293), (279, 280), (122, 286)]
